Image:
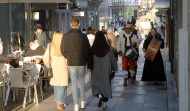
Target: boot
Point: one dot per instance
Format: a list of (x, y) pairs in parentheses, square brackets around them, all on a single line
[(124, 81), (132, 79), (100, 102)]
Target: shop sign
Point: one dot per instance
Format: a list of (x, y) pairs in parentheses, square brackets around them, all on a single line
[(158, 13)]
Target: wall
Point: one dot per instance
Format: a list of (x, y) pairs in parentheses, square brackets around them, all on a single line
[(183, 60)]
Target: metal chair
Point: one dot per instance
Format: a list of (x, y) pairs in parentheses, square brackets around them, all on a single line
[(36, 70), (15, 81)]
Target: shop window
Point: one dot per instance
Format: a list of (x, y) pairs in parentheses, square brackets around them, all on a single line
[(18, 19)]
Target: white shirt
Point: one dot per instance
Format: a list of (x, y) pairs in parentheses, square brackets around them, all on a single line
[(34, 47), (91, 38), (128, 41)]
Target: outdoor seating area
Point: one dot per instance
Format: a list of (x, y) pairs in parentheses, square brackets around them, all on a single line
[(26, 77)]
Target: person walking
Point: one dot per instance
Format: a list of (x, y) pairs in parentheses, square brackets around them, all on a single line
[(154, 71), (40, 36), (90, 35), (75, 48), (127, 41), (103, 58), (59, 68), (112, 39), (139, 37), (104, 30)]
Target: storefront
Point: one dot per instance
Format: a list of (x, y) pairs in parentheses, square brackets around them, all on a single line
[(23, 15)]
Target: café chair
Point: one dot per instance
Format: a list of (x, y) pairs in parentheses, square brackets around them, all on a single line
[(36, 70), (15, 81)]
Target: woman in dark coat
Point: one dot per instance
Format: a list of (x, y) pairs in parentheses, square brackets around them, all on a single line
[(103, 59), (154, 71)]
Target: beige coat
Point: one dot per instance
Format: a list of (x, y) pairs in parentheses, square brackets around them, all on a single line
[(112, 39), (121, 42), (59, 67)]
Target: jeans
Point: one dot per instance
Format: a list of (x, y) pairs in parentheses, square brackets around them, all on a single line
[(77, 73), (60, 94)]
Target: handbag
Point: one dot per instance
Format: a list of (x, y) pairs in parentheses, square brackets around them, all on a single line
[(50, 71), (112, 73)]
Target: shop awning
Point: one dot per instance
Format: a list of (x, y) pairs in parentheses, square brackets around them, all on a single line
[(162, 4), (35, 1)]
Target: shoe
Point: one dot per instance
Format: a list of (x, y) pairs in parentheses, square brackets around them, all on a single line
[(60, 107), (124, 81), (104, 106), (76, 107), (82, 105), (155, 82), (132, 79), (100, 102)]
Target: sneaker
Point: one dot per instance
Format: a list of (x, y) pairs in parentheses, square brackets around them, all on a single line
[(83, 104), (156, 82), (76, 107), (104, 106), (100, 102)]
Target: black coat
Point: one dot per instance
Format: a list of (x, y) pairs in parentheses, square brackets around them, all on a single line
[(16, 43), (75, 48), (154, 70)]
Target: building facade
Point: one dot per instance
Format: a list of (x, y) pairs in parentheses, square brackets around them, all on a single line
[(23, 16)]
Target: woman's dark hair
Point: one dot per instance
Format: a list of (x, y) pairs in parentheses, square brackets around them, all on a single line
[(90, 30), (154, 29), (100, 47)]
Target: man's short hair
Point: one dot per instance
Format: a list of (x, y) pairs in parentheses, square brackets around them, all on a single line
[(103, 27), (75, 22), (39, 26)]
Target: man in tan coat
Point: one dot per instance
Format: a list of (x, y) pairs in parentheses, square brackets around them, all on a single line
[(127, 41)]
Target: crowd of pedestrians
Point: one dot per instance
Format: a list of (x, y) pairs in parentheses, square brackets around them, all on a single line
[(97, 51), (71, 53)]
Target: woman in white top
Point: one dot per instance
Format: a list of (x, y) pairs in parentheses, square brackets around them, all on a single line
[(90, 35)]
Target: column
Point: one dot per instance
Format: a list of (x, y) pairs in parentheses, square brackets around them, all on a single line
[(84, 19), (94, 21), (87, 18), (183, 60), (59, 21)]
